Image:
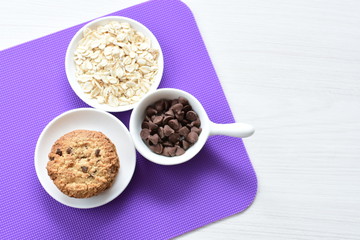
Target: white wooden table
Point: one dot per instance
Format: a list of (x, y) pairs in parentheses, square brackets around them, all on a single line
[(290, 68)]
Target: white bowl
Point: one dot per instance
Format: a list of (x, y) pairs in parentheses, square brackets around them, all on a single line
[(70, 66), (88, 119), (240, 130)]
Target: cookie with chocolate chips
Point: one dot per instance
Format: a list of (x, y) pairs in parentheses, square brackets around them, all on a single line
[(83, 163)]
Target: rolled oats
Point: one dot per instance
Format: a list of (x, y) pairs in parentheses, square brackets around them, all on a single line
[(115, 64)]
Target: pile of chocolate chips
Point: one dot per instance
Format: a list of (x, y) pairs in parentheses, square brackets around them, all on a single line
[(170, 127)]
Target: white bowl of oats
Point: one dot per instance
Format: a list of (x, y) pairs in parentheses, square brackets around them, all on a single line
[(113, 62)]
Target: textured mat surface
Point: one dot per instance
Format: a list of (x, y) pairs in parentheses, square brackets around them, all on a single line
[(160, 201)]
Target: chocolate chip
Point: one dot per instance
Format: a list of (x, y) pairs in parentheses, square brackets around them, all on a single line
[(179, 151), (177, 108), (157, 120), (154, 139), (159, 105), (169, 113), (185, 144), (197, 130), (183, 101), (174, 137), (158, 148), (152, 126), (168, 130), (113, 168), (165, 151), (172, 151), (150, 111), (58, 152), (180, 116), (51, 158), (169, 151), (184, 131), (161, 132), (84, 169), (191, 115), (174, 124), (145, 124), (192, 137), (187, 108), (196, 123), (68, 151), (145, 133), (167, 119), (97, 153)]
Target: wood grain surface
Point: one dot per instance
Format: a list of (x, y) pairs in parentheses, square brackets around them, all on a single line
[(290, 68)]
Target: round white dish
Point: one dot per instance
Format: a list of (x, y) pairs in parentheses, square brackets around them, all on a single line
[(88, 119), (70, 66), (209, 128)]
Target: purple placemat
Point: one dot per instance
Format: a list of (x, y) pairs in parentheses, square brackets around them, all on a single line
[(161, 201)]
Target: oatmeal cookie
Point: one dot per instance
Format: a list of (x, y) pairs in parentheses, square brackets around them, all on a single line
[(83, 163)]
